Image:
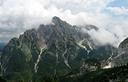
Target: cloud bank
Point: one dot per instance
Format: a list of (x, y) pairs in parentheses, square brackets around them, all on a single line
[(18, 15)]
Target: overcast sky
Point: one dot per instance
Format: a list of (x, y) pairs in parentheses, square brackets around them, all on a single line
[(111, 16)]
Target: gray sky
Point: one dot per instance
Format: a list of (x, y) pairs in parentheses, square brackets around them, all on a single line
[(110, 16)]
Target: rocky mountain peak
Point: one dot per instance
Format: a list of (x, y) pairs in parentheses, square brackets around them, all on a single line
[(90, 27), (124, 44), (56, 19), (54, 49), (122, 56)]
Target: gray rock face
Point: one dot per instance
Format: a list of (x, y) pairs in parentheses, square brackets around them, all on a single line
[(122, 57), (90, 27), (54, 49)]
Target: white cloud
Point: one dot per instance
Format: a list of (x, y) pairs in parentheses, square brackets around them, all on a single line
[(102, 36), (119, 10)]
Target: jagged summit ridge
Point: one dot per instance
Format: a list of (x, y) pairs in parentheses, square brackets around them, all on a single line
[(54, 49)]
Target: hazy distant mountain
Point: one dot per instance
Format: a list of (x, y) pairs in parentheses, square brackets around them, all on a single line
[(2, 46), (52, 50)]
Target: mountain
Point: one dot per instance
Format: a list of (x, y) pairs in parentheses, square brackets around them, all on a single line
[(2, 46), (116, 74), (122, 57), (53, 50)]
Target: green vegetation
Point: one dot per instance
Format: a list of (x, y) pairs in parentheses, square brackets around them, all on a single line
[(116, 74)]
